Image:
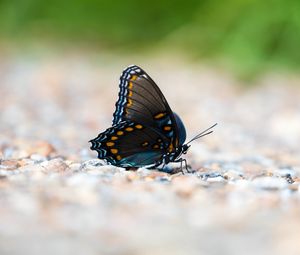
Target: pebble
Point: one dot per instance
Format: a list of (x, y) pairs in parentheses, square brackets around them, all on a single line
[(212, 177), (11, 164), (42, 148), (31, 168), (38, 158), (91, 164), (185, 185), (75, 167), (153, 175), (233, 175), (285, 172), (55, 165), (270, 183)]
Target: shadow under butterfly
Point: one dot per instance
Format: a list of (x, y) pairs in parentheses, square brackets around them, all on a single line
[(145, 131)]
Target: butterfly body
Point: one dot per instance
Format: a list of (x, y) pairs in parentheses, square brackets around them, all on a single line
[(145, 131)]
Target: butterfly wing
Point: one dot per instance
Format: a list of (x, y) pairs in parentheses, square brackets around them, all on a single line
[(129, 144), (141, 100), (144, 127)]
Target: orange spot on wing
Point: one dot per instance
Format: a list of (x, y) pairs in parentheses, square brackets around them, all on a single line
[(109, 144), (118, 157), (129, 102), (120, 133), (130, 84), (139, 126), (159, 115), (129, 129), (167, 128), (114, 138), (114, 151), (145, 144)]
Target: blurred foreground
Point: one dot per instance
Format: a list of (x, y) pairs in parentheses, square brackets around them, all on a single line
[(56, 198)]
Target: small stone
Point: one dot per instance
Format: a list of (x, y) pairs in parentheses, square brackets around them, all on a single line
[(106, 170), (233, 175), (185, 185), (151, 175), (25, 161), (91, 164), (270, 183), (31, 168), (286, 172), (38, 158), (144, 172), (74, 167), (9, 164), (55, 165), (42, 148), (294, 187), (251, 169), (131, 176), (212, 177)]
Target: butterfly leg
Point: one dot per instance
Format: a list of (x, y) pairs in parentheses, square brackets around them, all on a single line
[(187, 167), (181, 160), (187, 170)]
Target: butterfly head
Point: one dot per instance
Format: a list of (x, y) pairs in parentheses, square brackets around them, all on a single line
[(185, 148)]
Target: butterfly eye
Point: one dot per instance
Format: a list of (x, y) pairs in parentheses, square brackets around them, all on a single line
[(185, 148)]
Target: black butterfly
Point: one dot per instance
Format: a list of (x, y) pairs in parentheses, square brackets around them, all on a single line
[(145, 131)]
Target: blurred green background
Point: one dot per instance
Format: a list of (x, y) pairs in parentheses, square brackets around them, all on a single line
[(248, 36)]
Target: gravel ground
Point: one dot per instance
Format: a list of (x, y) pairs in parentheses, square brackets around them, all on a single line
[(57, 198)]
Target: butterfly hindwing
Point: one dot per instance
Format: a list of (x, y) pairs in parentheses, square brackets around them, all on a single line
[(130, 144)]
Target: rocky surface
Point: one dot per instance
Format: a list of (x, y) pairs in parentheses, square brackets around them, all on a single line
[(242, 196)]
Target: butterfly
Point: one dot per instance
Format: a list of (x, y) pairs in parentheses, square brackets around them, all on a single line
[(145, 131)]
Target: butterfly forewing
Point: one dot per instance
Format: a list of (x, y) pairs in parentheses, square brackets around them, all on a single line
[(139, 97)]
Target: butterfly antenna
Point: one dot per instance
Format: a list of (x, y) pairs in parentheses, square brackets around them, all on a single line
[(203, 133)]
